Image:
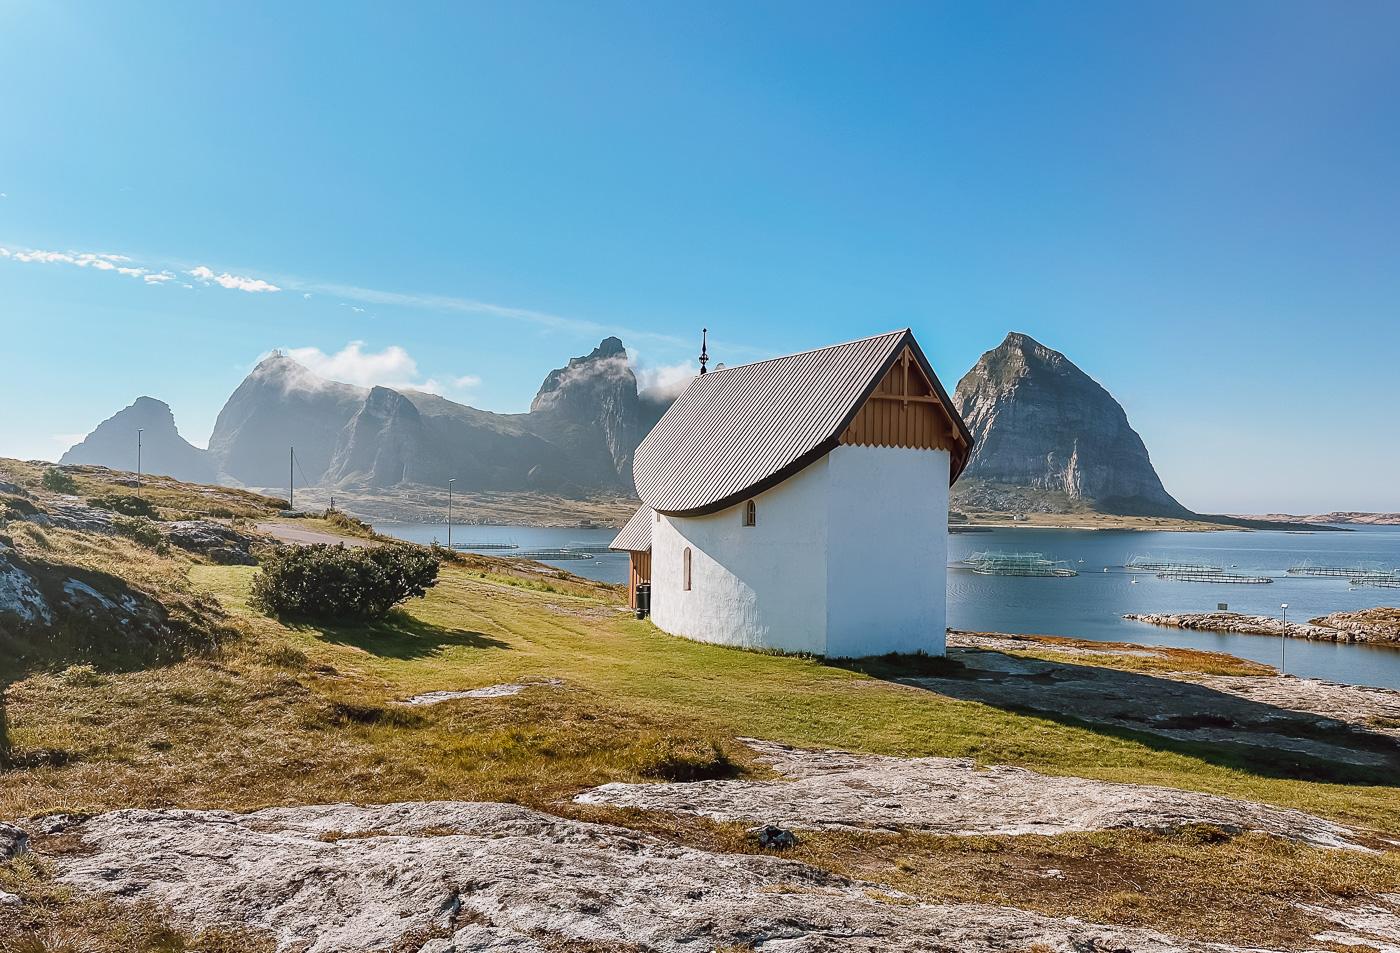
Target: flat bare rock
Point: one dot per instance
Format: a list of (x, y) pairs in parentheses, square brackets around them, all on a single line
[(488, 691), (452, 877), (1320, 720), (840, 790)]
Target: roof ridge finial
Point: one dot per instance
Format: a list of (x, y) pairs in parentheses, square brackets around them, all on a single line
[(704, 348)]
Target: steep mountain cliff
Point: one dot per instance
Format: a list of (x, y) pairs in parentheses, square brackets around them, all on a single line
[(590, 409), (163, 450), (577, 438), (1049, 437), (279, 405)]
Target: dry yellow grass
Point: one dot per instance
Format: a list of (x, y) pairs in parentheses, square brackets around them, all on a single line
[(304, 714)]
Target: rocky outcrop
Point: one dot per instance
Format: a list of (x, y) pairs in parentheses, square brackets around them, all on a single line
[(475, 876), (1285, 717), (841, 790), (22, 601), (50, 611), (1378, 626), (215, 541), (13, 842), (163, 450), (1045, 427)]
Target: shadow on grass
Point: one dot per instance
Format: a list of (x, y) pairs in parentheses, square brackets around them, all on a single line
[(1231, 731), (401, 636)]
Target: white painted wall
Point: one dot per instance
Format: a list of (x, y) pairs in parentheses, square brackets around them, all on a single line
[(760, 586), (849, 558), (887, 551)]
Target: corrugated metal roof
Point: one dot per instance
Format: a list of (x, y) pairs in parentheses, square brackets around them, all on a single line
[(635, 536), (739, 430)]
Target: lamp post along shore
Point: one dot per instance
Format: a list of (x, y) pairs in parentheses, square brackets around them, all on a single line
[(139, 432), (1283, 643), (449, 512)]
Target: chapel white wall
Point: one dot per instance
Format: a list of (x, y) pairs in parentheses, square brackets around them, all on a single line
[(758, 587), (887, 552)]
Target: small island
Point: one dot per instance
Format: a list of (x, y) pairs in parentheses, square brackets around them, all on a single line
[(1379, 626)]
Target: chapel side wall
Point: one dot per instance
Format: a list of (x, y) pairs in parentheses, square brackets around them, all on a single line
[(761, 586), (887, 551)]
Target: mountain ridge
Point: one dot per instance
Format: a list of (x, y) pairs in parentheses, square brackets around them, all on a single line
[(1048, 437)]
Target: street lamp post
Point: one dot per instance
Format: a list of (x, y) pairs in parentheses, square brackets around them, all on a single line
[(1283, 646), (449, 512), (139, 431)]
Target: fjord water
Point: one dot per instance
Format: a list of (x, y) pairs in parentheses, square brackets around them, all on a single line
[(1091, 605)]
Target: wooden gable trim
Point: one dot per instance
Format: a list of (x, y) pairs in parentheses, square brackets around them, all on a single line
[(904, 410)]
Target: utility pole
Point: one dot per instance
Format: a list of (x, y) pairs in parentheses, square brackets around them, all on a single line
[(291, 479), (139, 431), (449, 511), (1283, 645)]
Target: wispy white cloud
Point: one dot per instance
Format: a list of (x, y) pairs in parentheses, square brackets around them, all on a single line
[(97, 261), (666, 381), (392, 367), (233, 282), (161, 272), (352, 364)]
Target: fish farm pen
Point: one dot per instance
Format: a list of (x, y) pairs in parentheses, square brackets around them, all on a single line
[(1228, 578), (1149, 564), (1017, 564), (1380, 580), (550, 554), (483, 547), (1350, 572)]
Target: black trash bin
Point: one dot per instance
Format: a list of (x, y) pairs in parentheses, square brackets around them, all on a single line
[(643, 599)]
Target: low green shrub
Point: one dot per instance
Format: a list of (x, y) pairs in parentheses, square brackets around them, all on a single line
[(339, 582), (59, 482), (125, 504), (141, 530)]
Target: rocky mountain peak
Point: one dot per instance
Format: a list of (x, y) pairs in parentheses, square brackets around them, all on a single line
[(1042, 424), (163, 450), (606, 366), (591, 409)]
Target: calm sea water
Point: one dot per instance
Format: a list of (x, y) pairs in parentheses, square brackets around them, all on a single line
[(1091, 605)]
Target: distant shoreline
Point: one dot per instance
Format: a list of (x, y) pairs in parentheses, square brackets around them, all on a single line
[(1112, 522)]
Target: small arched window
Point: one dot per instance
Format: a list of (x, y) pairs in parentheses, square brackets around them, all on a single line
[(750, 513), (685, 568)]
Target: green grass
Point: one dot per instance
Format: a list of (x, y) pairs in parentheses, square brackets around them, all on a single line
[(308, 714)]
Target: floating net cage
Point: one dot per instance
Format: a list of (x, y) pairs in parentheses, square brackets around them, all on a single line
[(1018, 564), (1350, 572), (1216, 576), (1157, 565), (483, 547), (1382, 580), (551, 554)]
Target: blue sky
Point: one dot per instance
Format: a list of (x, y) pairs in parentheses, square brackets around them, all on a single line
[(1198, 202)]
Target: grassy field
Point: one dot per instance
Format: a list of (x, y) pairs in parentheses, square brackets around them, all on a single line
[(283, 714)]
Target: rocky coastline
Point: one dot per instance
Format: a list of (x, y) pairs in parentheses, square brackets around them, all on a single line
[(1379, 626)]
